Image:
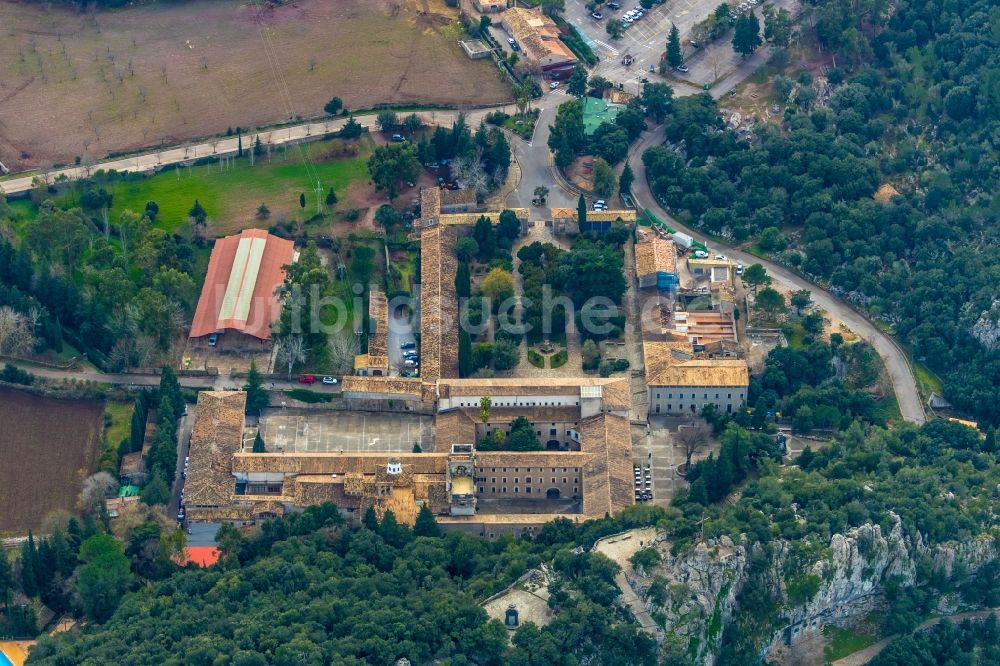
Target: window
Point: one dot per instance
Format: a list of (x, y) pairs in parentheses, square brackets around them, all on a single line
[(553, 479), (505, 489), (670, 395), (564, 479), (505, 479), (729, 395), (480, 489), (527, 490), (716, 396), (515, 490), (706, 396), (552, 432)]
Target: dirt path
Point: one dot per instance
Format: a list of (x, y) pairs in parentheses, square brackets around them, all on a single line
[(864, 656)]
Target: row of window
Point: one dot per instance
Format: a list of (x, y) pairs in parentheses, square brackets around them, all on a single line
[(528, 470), (527, 491), (515, 403), (527, 479), (694, 396)]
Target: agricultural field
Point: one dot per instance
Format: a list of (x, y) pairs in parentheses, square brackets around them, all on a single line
[(86, 84), (47, 449)]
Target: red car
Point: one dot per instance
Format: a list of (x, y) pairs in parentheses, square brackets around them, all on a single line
[(307, 379)]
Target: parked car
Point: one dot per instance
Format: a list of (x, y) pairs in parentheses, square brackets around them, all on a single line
[(213, 340), (700, 254), (597, 15), (180, 513), (720, 257), (554, 85), (409, 363), (398, 137), (408, 345), (410, 353), (513, 44), (307, 379), (739, 269), (683, 68), (613, 5), (330, 381)]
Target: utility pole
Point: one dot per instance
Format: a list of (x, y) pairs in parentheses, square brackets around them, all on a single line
[(319, 199)]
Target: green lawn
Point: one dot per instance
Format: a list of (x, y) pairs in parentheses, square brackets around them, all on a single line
[(120, 427), (845, 641), (231, 196), (926, 379)]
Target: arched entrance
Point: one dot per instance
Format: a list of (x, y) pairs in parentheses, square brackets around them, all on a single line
[(552, 494), (552, 445)]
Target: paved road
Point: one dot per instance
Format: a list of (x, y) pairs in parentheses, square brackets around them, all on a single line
[(184, 427), (229, 145), (218, 383), (535, 161), (895, 360)]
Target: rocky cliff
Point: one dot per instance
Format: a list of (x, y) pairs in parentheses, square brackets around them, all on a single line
[(693, 595)]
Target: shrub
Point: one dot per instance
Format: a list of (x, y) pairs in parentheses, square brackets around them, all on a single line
[(536, 359), (559, 359), (305, 395)]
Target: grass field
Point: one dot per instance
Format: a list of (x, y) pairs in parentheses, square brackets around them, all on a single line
[(845, 641), (47, 450), (231, 195), (84, 84)]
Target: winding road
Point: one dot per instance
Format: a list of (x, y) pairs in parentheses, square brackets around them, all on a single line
[(896, 363), (536, 168)]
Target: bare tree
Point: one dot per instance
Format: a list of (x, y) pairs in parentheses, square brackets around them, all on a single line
[(343, 348), (96, 487), (312, 63), (15, 333), (715, 58), (693, 438), (292, 350)]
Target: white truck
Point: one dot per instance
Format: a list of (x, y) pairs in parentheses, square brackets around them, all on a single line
[(683, 240)]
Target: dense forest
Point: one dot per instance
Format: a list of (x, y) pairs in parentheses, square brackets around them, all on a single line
[(971, 642), (307, 589), (117, 289), (914, 105)]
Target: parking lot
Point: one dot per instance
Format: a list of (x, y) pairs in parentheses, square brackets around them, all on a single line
[(646, 40), (291, 431)]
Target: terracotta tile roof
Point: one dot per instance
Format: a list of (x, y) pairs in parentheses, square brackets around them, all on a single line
[(388, 385), (454, 427), (469, 219), (531, 459), (452, 197), (663, 369), (626, 215), (537, 34), (244, 274), (378, 314), (430, 203), (656, 255), (438, 304), (337, 463), (216, 437), (607, 476)]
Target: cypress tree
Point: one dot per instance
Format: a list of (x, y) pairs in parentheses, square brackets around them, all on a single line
[(464, 354), (370, 520), (581, 213), (463, 281), (29, 577), (426, 525), (331, 197), (258, 444)]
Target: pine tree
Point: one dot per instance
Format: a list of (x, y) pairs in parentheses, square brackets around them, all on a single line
[(698, 492), (674, 56), (258, 147), (331, 197), (239, 144), (426, 525), (73, 534), (302, 200), (370, 520), (581, 213), (258, 444), (746, 38)]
